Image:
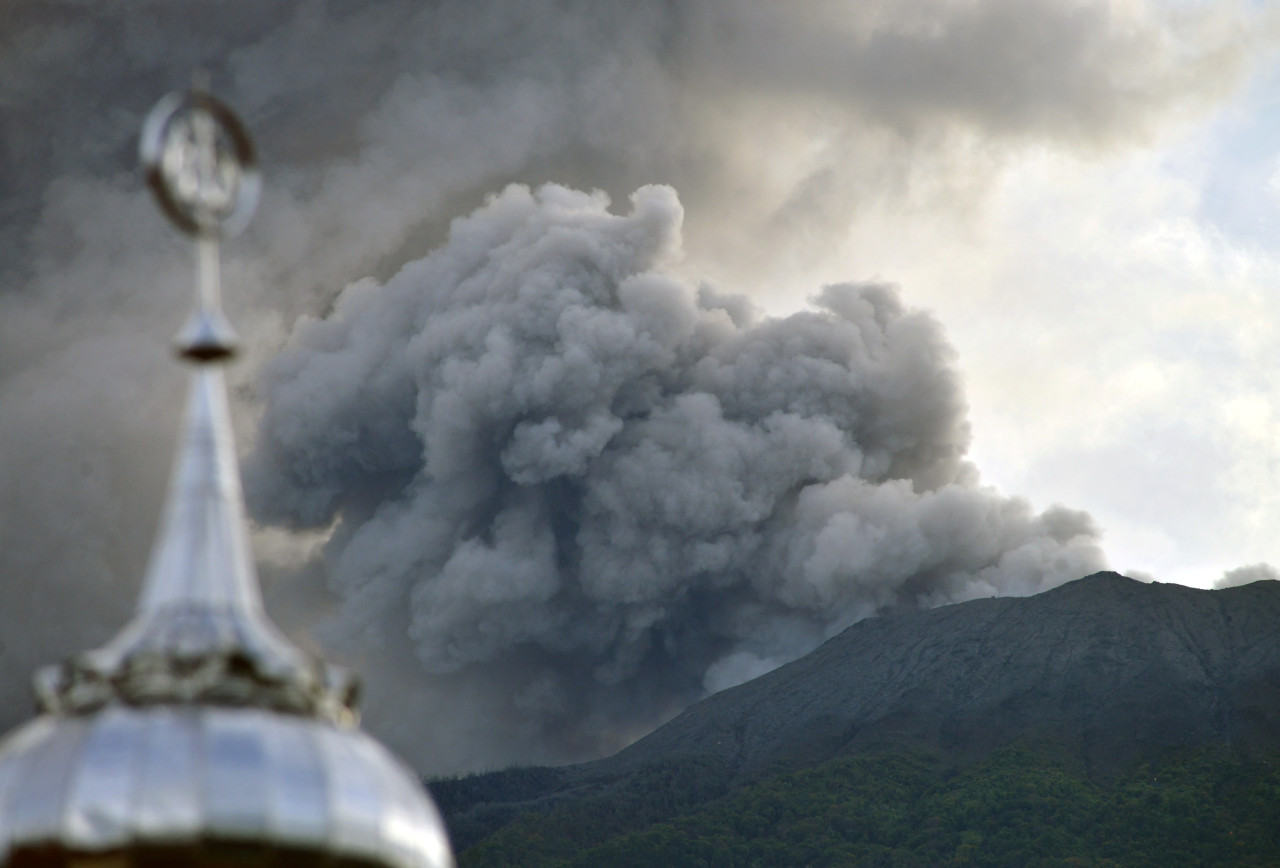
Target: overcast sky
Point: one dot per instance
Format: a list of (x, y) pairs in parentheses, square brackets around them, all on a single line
[(1054, 223)]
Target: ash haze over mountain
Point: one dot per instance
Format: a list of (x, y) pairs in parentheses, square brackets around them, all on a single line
[(562, 475), (552, 473)]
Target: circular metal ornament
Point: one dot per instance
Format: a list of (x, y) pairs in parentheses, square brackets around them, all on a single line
[(200, 164)]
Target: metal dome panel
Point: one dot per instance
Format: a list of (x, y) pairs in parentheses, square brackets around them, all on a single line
[(133, 779)]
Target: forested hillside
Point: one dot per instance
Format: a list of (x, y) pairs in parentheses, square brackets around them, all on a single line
[(1019, 808)]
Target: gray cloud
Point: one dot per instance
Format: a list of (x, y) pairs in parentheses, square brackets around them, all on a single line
[(556, 469), (377, 123), (1248, 574)]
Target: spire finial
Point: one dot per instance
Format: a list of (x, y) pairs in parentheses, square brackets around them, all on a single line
[(200, 634), (200, 164), (200, 735)]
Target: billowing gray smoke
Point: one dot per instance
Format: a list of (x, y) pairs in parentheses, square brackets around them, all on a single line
[(557, 469), (786, 127)]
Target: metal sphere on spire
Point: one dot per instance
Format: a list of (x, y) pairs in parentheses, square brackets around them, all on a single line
[(201, 735)]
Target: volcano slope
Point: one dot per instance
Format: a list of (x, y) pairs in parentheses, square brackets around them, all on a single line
[(1102, 673)]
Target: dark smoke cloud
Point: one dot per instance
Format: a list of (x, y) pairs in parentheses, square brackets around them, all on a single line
[(782, 125), (565, 473)]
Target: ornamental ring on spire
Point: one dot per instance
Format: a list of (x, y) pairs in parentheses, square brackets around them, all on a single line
[(200, 164)]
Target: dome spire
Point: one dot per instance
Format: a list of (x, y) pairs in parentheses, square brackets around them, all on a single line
[(200, 165), (200, 632), (200, 735)]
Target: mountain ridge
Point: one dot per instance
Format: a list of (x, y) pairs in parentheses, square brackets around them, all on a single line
[(1187, 672), (1105, 670)]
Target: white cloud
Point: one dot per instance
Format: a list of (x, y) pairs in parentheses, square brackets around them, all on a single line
[(1121, 359)]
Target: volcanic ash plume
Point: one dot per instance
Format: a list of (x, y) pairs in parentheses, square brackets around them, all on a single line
[(553, 468)]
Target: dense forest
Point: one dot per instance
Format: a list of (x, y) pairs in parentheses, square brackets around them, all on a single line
[(1019, 807)]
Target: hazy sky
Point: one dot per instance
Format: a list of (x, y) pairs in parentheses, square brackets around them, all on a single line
[(1051, 345)]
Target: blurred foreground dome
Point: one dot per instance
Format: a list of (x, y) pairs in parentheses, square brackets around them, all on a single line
[(200, 735)]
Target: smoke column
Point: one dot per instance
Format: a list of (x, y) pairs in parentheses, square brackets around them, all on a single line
[(553, 468), (784, 127)]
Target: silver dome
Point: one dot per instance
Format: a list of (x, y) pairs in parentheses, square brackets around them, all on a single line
[(200, 735), (198, 777)]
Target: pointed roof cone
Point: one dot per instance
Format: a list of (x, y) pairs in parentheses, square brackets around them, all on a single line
[(200, 632), (200, 735)]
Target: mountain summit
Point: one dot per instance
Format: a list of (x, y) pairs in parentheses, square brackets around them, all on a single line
[(1105, 668), (1103, 671)]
